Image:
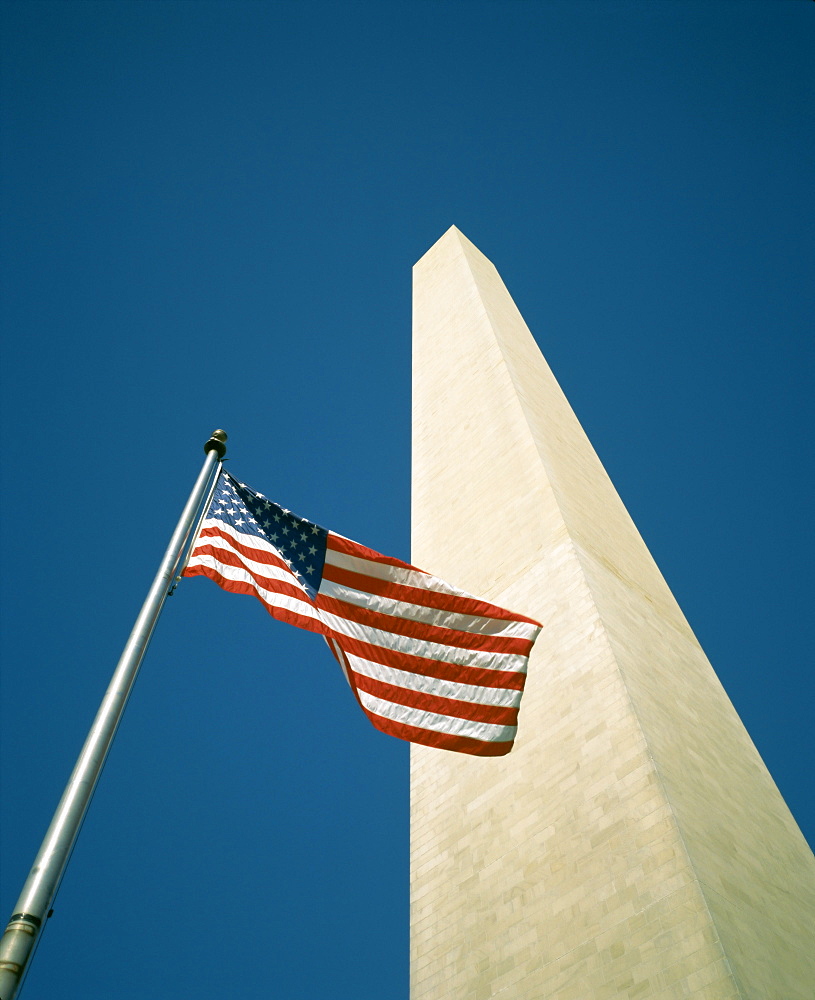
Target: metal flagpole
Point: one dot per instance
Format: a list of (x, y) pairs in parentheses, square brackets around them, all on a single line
[(34, 905)]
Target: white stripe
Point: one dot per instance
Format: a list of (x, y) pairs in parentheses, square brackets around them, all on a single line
[(251, 541), (394, 574), (428, 650), (474, 624), (262, 569), (484, 731), (376, 637), (500, 697), (238, 575)]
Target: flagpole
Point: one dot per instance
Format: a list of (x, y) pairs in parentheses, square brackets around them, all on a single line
[(33, 907)]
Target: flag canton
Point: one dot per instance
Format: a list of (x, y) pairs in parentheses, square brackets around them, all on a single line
[(300, 543)]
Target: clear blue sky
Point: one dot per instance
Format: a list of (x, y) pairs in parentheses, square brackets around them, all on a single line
[(211, 213)]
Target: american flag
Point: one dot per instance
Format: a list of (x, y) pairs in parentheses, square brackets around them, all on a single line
[(427, 662)]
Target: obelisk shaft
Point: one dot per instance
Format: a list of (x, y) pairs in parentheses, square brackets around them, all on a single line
[(633, 843)]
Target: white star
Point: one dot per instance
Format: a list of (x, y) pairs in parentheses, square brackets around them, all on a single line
[(312, 551), (239, 521)]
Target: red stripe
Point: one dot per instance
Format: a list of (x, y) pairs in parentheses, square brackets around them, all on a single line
[(339, 544), (497, 715), (348, 547), (226, 557), (443, 741), (478, 676), (454, 603), (457, 604), (265, 555), (281, 614), (422, 632)]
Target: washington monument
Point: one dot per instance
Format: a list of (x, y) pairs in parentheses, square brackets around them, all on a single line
[(633, 844)]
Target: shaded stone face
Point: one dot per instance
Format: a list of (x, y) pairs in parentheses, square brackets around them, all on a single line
[(633, 843)]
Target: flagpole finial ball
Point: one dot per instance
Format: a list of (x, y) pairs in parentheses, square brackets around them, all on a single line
[(217, 443)]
